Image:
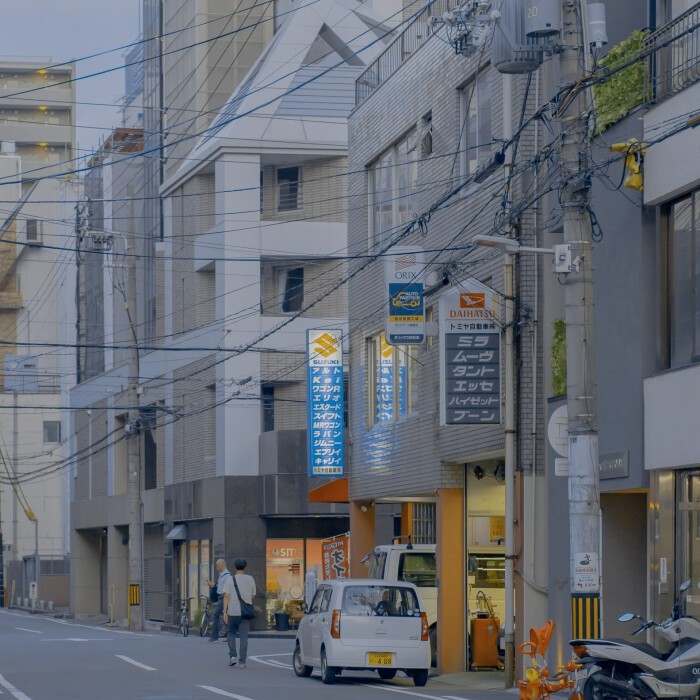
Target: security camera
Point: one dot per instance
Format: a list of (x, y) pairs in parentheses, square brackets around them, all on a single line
[(479, 473)]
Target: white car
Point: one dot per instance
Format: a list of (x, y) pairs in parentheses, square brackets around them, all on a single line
[(364, 624)]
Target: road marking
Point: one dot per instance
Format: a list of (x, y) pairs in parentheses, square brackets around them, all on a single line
[(405, 692), (272, 662), (74, 639), (18, 694), (136, 663), (89, 627), (24, 629), (226, 694)]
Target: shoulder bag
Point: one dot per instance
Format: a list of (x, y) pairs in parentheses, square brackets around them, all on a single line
[(247, 609)]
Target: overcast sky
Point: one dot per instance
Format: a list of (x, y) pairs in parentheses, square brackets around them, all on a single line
[(67, 29)]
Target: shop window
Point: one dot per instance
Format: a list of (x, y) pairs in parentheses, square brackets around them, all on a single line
[(195, 568), (390, 380)]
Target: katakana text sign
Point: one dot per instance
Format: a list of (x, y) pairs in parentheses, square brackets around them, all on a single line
[(470, 338), (325, 402)]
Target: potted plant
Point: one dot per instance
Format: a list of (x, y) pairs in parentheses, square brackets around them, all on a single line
[(281, 615)]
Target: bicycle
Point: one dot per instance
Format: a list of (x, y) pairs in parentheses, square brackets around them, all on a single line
[(208, 619), (184, 622)]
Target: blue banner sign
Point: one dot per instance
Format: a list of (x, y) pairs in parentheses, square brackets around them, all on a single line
[(404, 270), (324, 350)]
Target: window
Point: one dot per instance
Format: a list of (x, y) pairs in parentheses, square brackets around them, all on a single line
[(290, 286), (390, 373), (288, 188), (52, 431), (419, 568), (426, 135), (477, 137), (380, 600), (392, 182), (683, 236), (267, 392)]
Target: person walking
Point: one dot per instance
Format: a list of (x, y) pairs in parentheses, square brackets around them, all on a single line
[(239, 587), (224, 574)]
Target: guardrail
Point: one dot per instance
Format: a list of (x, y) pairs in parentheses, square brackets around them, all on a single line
[(673, 63), (405, 44)]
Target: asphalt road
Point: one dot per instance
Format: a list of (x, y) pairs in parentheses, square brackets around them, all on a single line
[(44, 658)]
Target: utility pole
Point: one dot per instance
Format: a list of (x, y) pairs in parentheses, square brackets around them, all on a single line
[(133, 439), (584, 498)]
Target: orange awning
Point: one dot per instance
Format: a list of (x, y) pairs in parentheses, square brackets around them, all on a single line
[(335, 491)]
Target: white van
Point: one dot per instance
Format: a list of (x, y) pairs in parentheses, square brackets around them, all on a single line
[(412, 563)]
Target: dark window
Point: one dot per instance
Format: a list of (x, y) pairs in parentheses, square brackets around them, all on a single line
[(150, 449), (52, 431), (267, 392), (288, 188), (293, 290), (683, 276)]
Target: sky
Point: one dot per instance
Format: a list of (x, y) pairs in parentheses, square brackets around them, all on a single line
[(68, 29)]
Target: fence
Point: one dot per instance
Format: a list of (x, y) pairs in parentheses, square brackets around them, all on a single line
[(674, 50), (411, 39)]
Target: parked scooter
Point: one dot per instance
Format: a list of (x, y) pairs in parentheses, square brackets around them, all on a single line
[(620, 669)]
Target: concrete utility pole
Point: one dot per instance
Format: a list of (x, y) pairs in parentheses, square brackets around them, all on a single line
[(584, 498), (134, 461)]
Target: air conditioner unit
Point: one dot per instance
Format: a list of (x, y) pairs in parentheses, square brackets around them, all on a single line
[(33, 231)]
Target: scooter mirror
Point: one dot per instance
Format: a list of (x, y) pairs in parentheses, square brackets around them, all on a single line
[(626, 617), (685, 586)]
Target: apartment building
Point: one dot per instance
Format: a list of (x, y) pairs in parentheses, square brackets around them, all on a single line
[(38, 114), (37, 142), (253, 233), (37, 313)]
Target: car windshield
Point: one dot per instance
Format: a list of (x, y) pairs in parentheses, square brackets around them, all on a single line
[(418, 568), (395, 601)]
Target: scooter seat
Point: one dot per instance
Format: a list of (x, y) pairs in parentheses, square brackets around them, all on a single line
[(644, 647)]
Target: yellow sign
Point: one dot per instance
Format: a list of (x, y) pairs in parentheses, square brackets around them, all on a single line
[(326, 345), (134, 594)]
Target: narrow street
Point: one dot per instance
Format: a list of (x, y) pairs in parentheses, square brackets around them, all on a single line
[(47, 658)]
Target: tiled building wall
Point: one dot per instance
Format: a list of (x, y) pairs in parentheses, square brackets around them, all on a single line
[(194, 435), (193, 292), (319, 277), (322, 192), (406, 457)]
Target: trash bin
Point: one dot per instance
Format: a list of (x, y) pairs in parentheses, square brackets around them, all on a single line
[(282, 622)]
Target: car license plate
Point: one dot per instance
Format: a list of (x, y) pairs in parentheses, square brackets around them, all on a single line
[(376, 658)]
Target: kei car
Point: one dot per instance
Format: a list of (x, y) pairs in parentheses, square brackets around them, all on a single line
[(364, 624)]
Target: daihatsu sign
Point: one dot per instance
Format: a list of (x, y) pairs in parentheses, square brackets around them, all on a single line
[(470, 355)]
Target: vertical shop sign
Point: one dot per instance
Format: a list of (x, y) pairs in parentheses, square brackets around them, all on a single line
[(385, 385), (325, 402), (336, 557), (403, 270), (470, 356)]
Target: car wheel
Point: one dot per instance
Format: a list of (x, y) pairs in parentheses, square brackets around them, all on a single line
[(420, 677), (327, 672), (433, 646), (386, 674), (301, 669)]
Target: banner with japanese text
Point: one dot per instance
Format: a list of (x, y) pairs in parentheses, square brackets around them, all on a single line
[(325, 402), (404, 268), (336, 557), (470, 355)]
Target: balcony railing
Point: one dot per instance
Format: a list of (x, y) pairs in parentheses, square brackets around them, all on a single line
[(674, 54), (411, 39), (32, 383)]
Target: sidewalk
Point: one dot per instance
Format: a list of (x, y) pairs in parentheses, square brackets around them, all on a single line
[(480, 681)]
